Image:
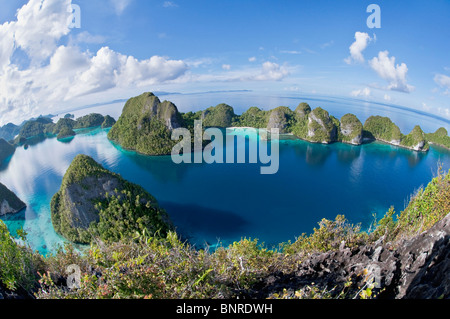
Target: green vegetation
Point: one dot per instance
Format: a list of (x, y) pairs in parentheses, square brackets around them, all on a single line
[(6, 150), (83, 209), (63, 124), (31, 129), (108, 122), (90, 120), (303, 109), (350, 129), (382, 128), (145, 125), (253, 117), (221, 115), (19, 266), (65, 132), (440, 137), (147, 265), (425, 208), (321, 127), (416, 140), (282, 118)]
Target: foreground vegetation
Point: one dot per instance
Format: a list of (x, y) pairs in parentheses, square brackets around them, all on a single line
[(145, 265)]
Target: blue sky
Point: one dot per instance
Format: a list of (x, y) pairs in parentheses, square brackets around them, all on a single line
[(126, 47)]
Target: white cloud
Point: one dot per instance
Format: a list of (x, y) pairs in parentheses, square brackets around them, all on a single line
[(252, 59), (268, 71), (169, 4), (38, 28), (387, 97), (120, 5), (444, 111), (271, 72), (395, 74), (425, 106), (63, 73), (362, 40), (361, 93), (443, 81), (226, 67), (86, 37)]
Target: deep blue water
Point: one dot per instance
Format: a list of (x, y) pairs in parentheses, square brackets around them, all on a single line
[(225, 202)]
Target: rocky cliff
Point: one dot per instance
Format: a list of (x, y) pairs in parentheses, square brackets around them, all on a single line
[(94, 202), (221, 115), (6, 150), (382, 129), (351, 130), (415, 268), (281, 118), (9, 202), (321, 128), (146, 124), (415, 140)]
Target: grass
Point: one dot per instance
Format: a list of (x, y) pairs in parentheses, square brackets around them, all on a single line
[(165, 267)]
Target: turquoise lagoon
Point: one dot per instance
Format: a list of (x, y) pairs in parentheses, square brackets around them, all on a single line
[(222, 203)]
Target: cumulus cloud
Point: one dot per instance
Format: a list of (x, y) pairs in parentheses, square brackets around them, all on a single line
[(395, 74), (361, 93), (443, 81), (58, 73), (270, 72), (38, 28), (362, 40)]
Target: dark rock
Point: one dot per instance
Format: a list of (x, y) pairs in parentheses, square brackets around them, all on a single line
[(9, 202), (419, 268)]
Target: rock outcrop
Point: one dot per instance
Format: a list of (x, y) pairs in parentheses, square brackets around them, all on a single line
[(280, 118), (6, 150), (440, 137), (415, 140), (321, 128), (145, 125), (382, 129), (9, 202), (302, 110), (221, 115), (351, 130), (91, 197), (413, 268)]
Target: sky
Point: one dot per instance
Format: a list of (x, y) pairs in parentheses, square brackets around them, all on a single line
[(61, 54)]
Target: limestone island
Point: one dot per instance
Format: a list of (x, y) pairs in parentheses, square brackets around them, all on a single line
[(96, 203), (6, 150), (146, 124), (9, 202)]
